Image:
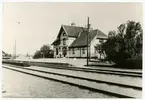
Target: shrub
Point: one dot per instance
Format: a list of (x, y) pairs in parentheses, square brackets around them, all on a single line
[(125, 47), (131, 64), (44, 52)]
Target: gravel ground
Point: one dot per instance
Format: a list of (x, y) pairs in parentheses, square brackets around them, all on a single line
[(17, 84), (136, 81)]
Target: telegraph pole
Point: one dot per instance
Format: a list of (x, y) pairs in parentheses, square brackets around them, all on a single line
[(15, 50), (88, 28)]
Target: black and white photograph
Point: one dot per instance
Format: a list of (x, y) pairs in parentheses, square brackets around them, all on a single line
[(72, 50)]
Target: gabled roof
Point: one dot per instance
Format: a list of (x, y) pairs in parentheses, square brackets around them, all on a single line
[(82, 39), (80, 33), (101, 35), (73, 31)]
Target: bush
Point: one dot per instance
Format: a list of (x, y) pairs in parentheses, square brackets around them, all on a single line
[(125, 47), (44, 52), (130, 64)]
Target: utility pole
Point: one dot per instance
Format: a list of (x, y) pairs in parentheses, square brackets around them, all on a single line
[(88, 28), (15, 50)]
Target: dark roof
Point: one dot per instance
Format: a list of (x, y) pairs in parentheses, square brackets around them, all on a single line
[(73, 31), (82, 39), (100, 34)]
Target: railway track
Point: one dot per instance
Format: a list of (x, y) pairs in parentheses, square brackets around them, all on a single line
[(95, 70), (112, 88), (92, 70)]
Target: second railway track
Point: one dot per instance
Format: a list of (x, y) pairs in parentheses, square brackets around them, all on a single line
[(92, 70), (115, 89)]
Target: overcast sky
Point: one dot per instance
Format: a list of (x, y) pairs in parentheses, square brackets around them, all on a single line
[(35, 24)]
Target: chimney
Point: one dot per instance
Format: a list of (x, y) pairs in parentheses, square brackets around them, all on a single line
[(73, 24)]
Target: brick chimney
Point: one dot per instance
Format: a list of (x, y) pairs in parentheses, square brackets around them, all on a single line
[(73, 24)]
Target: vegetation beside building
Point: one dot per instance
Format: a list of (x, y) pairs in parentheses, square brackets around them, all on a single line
[(124, 46), (44, 52)]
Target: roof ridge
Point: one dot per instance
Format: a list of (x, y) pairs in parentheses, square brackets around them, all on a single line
[(74, 26)]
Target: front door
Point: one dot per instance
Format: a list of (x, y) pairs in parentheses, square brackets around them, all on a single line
[(64, 50)]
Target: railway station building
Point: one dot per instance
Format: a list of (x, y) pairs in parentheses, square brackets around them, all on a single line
[(71, 42)]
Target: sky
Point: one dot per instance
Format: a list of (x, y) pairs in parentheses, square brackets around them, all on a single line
[(34, 24)]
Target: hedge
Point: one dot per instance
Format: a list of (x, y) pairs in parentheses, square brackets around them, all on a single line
[(130, 64)]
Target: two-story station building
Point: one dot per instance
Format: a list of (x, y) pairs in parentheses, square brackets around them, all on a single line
[(71, 42)]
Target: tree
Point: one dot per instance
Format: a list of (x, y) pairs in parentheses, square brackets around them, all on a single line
[(44, 52), (125, 44), (37, 54), (111, 33)]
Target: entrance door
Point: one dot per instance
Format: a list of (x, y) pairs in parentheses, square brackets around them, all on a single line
[(64, 50)]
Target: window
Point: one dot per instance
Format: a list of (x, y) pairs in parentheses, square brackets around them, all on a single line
[(64, 34), (101, 41), (73, 52), (64, 41), (83, 50)]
